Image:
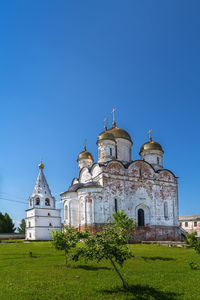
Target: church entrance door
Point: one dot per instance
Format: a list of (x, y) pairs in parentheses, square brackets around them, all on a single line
[(140, 217)]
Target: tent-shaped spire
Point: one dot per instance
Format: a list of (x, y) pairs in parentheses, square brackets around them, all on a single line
[(41, 187)]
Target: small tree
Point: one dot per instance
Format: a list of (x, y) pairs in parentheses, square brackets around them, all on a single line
[(66, 239), (191, 239), (125, 225), (22, 226), (106, 244)]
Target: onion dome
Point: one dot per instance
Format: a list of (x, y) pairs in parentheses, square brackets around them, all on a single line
[(151, 145), (120, 133), (85, 155), (105, 135), (41, 166)]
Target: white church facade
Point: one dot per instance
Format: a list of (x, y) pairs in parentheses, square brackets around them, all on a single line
[(42, 216), (143, 188)]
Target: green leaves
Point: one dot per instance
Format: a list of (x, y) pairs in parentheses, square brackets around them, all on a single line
[(6, 224), (66, 239), (125, 223), (22, 226)]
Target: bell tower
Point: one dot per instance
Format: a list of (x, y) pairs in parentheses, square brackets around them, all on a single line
[(42, 216)]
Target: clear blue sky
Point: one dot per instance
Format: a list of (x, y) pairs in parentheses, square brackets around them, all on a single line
[(66, 64)]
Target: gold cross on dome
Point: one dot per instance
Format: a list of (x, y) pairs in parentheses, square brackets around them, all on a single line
[(84, 144), (149, 133), (113, 112), (105, 121)]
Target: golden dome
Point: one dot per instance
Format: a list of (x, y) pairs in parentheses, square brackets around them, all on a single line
[(105, 135), (41, 166), (85, 155), (151, 145), (120, 133)]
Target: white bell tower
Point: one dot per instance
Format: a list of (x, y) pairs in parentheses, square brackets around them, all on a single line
[(42, 216)]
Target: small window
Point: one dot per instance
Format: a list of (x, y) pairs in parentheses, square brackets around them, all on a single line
[(31, 202), (50, 225), (110, 151), (49, 214), (165, 210), (47, 202), (37, 201), (140, 172), (116, 150), (195, 224), (29, 224), (116, 208), (158, 160), (180, 223), (30, 235), (186, 224)]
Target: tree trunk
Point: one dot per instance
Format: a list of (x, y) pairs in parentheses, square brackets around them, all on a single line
[(129, 248), (66, 257), (122, 279)]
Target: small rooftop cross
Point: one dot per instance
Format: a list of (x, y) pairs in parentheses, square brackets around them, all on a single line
[(105, 126), (113, 112), (149, 133), (84, 144)]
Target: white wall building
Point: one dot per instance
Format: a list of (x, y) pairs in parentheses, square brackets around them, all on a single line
[(42, 216), (190, 223), (142, 188)]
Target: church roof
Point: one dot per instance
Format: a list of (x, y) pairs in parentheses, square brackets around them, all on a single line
[(105, 135), (189, 218), (75, 187), (120, 133), (85, 155), (151, 145), (41, 186)]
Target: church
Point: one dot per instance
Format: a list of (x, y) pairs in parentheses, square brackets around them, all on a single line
[(42, 217), (143, 189)]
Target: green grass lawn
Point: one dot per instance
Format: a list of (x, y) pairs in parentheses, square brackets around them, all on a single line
[(156, 272)]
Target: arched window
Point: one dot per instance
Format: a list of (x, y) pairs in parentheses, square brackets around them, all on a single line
[(31, 202), (140, 217), (66, 212), (110, 151), (165, 210), (116, 150), (158, 161), (116, 208), (37, 201), (47, 202)]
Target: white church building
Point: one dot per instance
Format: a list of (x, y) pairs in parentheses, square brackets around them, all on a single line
[(42, 216), (143, 188)]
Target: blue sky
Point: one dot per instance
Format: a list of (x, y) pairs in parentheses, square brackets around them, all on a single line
[(66, 64)]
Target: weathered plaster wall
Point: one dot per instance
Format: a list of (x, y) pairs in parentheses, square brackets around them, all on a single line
[(151, 157), (104, 153), (123, 150)]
